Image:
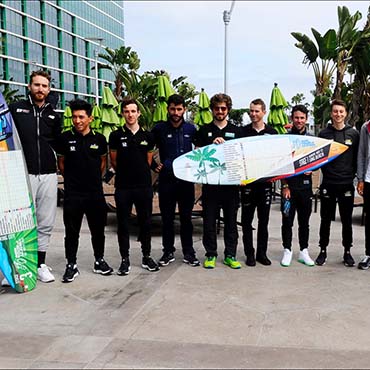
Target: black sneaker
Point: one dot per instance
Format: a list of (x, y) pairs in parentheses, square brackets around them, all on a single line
[(125, 267), (251, 260), (191, 260), (166, 259), (101, 267), (70, 274), (321, 258), (365, 263), (263, 259), (149, 264), (348, 259)]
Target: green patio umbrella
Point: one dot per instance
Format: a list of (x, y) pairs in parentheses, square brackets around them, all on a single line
[(121, 118), (164, 91), (277, 117), (96, 122), (67, 119), (204, 115), (109, 117)]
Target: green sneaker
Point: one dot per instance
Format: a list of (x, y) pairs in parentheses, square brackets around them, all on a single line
[(210, 263), (232, 262)]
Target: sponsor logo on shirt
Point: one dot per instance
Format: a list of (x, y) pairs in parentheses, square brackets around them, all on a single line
[(209, 134), (20, 110), (169, 135), (144, 142), (348, 142), (94, 146), (72, 148), (229, 134), (51, 117)]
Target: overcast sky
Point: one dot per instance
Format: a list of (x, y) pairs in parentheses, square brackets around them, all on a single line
[(187, 38)]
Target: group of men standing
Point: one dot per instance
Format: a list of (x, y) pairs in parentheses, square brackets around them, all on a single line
[(82, 158)]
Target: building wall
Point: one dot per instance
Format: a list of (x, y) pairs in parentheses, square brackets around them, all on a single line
[(62, 36)]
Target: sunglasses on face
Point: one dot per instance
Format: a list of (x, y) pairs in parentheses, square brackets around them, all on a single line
[(222, 109)]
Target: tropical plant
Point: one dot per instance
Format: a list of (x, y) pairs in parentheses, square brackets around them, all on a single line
[(236, 116), (123, 63), (10, 95)]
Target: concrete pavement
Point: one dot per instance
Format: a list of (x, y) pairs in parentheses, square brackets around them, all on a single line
[(186, 317)]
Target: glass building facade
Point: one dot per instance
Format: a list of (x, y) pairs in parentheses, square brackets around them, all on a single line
[(62, 36)]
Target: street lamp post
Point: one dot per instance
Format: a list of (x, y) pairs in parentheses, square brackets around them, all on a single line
[(226, 18), (96, 53)]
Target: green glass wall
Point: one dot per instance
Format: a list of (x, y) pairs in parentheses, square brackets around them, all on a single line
[(61, 36)]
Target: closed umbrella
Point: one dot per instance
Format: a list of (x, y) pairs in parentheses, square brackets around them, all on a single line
[(67, 119), (96, 122), (277, 117), (204, 115), (109, 117), (164, 91)]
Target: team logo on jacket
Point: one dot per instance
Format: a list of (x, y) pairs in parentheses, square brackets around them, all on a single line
[(20, 110), (169, 136), (72, 148), (144, 142), (348, 142), (209, 134), (229, 134), (51, 117), (94, 146)]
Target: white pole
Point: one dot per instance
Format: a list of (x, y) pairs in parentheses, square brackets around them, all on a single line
[(226, 18), (96, 78)]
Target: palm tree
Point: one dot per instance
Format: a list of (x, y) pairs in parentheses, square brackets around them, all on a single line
[(325, 50), (123, 63)]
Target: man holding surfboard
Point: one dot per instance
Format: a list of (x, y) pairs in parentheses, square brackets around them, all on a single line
[(256, 195), (337, 183), (173, 138), (39, 127), (82, 157), (215, 197), (297, 190)]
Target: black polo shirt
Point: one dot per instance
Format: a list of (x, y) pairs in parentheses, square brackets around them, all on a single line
[(207, 133), (132, 168), (82, 161), (250, 131)]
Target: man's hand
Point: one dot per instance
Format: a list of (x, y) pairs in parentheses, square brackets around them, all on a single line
[(159, 167), (285, 193), (219, 140), (360, 188)]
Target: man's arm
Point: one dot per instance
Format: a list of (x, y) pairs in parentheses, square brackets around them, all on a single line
[(103, 163), (113, 159), (61, 164)]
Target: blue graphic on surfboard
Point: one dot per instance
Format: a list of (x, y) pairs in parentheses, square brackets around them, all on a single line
[(256, 158), (18, 233)]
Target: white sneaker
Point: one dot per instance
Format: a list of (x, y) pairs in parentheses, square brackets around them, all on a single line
[(5, 282), (44, 274), (305, 258), (287, 258)]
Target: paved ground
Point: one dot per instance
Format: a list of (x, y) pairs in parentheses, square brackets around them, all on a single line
[(185, 317)]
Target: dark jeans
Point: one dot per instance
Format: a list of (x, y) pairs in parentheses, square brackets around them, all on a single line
[(214, 198), (300, 203), (95, 209), (142, 199), (367, 217), (256, 196), (182, 193), (330, 195)]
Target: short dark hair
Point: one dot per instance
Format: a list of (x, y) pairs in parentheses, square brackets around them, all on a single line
[(79, 104), (338, 102), (176, 99), (41, 73), (260, 102), (128, 100), (300, 108), (221, 98)]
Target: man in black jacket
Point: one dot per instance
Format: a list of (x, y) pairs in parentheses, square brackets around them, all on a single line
[(337, 183), (39, 126)]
